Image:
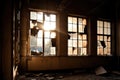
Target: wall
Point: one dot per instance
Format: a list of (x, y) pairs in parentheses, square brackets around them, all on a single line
[(6, 40), (38, 63), (118, 32), (61, 61)]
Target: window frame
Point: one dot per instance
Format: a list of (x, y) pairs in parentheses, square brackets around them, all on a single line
[(78, 33), (43, 31), (105, 37)]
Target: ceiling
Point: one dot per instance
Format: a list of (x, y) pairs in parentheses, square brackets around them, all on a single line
[(85, 6)]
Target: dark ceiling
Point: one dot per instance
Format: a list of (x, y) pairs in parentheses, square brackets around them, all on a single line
[(87, 7)]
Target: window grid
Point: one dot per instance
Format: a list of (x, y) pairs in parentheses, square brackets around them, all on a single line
[(42, 33), (77, 42), (103, 38)]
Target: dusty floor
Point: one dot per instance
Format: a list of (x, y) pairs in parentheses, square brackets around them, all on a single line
[(67, 76)]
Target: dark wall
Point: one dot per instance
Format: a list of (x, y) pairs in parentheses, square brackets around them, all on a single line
[(6, 42)]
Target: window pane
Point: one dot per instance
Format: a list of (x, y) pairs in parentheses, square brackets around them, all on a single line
[(69, 19), (100, 51), (108, 38), (74, 28), (53, 34), (33, 15), (80, 28), (109, 32), (105, 30), (74, 20), (53, 50), (75, 51), (70, 27), (84, 50), (53, 26), (74, 36), (79, 36), (109, 45), (105, 38), (40, 17), (53, 17), (70, 51), (105, 24), (101, 30), (80, 44), (70, 43), (101, 38), (40, 33), (47, 46), (74, 43), (47, 34), (84, 44), (80, 21), (84, 21), (39, 42), (101, 23), (84, 37)]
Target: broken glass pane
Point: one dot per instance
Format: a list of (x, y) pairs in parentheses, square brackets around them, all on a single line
[(47, 46), (84, 50), (53, 34), (101, 30), (84, 21), (105, 38), (109, 45), (75, 51)]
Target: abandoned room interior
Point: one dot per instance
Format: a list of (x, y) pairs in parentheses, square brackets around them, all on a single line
[(59, 35)]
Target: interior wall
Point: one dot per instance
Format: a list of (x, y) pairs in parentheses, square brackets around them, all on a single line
[(61, 61), (7, 20), (118, 33), (38, 63)]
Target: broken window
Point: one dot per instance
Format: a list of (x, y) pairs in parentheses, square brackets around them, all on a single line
[(77, 32), (42, 33), (103, 38)]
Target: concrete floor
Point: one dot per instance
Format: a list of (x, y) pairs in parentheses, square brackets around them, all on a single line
[(76, 75)]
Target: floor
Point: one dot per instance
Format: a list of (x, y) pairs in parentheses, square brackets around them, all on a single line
[(73, 75)]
